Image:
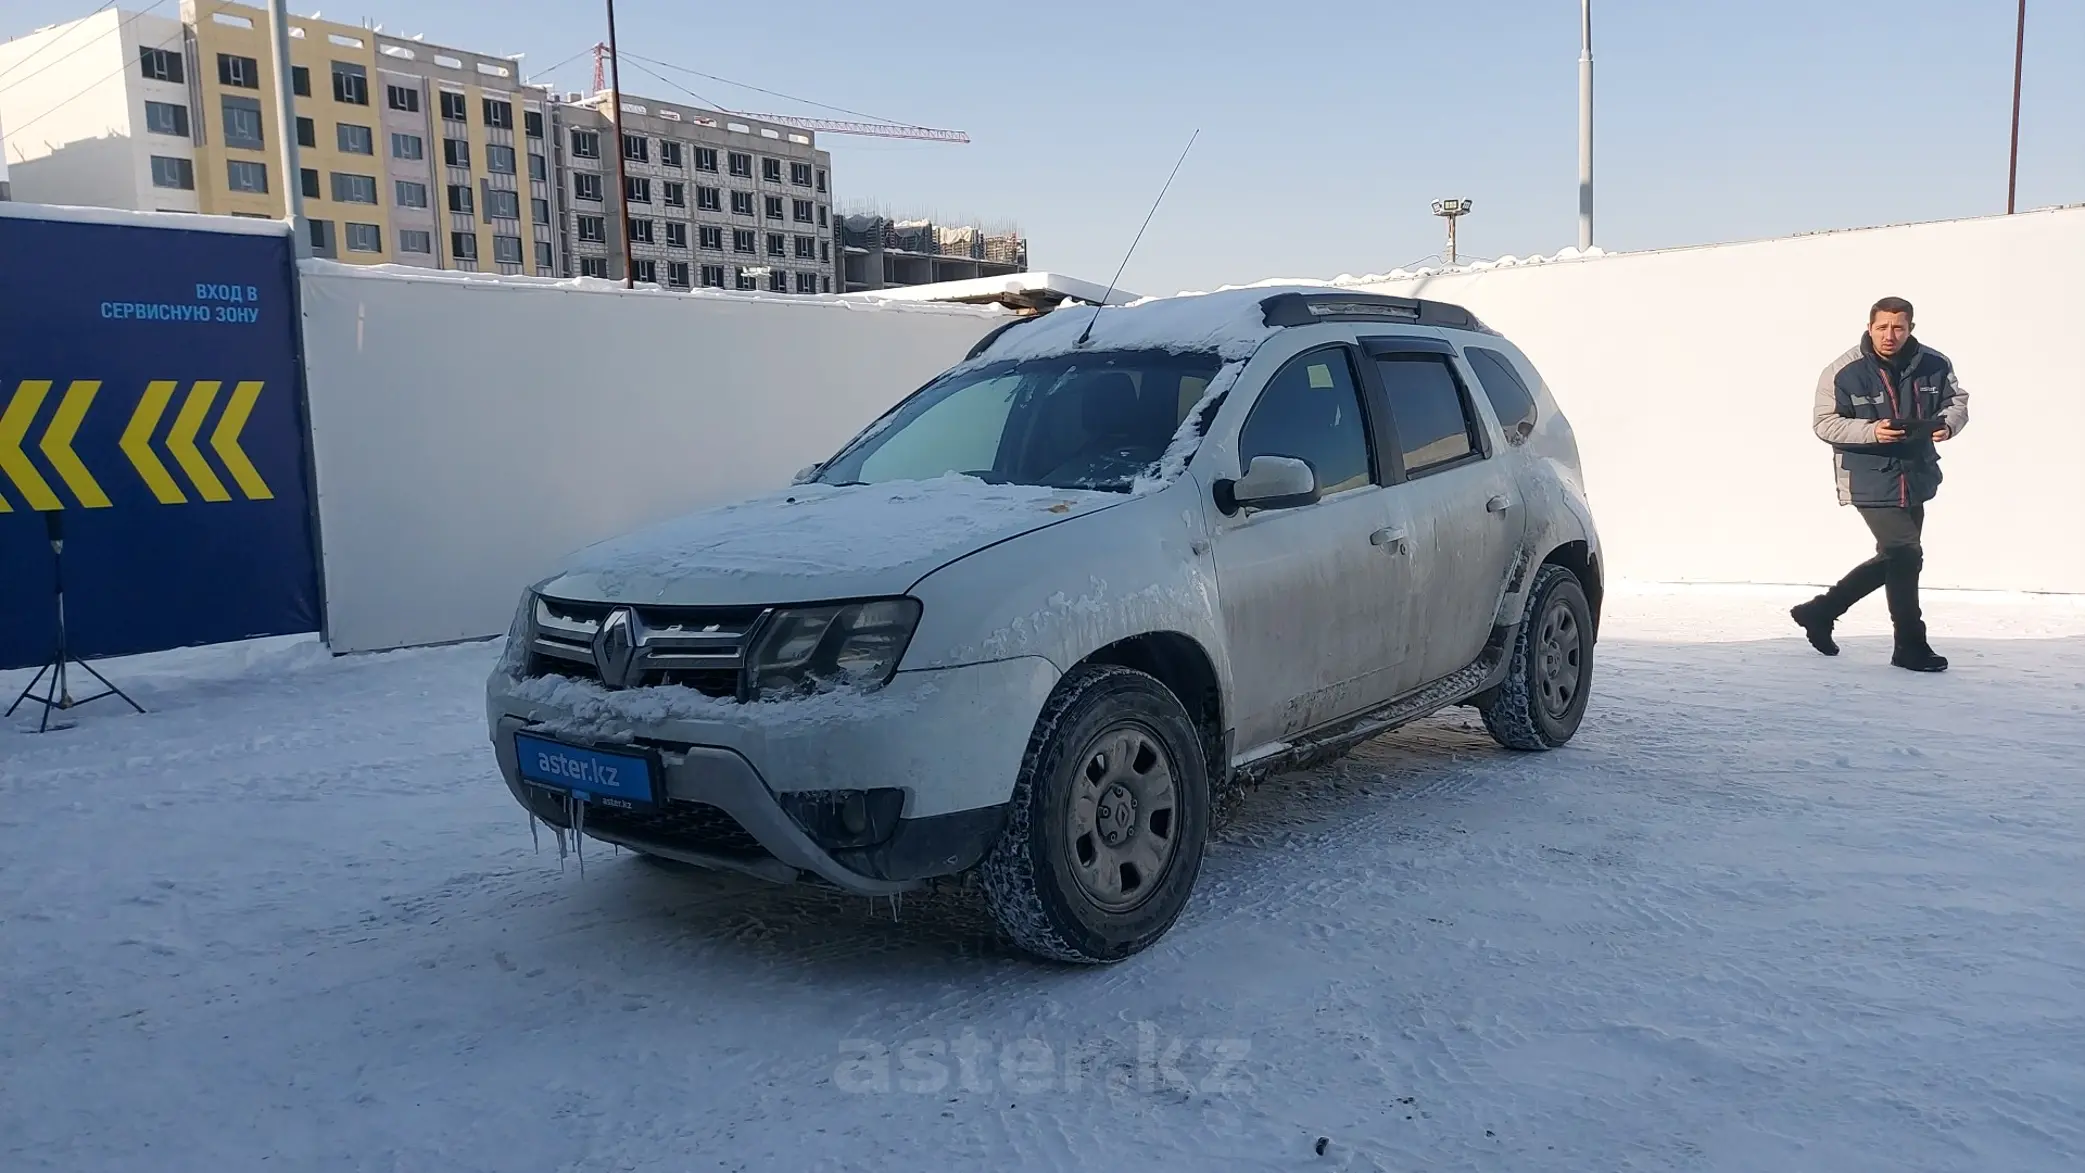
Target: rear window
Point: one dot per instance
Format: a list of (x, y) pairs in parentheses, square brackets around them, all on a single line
[(1510, 398)]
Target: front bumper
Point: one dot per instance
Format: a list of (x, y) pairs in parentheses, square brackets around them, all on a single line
[(950, 739)]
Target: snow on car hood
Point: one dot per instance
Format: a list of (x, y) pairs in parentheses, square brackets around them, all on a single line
[(813, 542)]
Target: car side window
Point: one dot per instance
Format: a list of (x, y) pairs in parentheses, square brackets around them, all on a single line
[(1311, 410), (1434, 424), (1509, 395)]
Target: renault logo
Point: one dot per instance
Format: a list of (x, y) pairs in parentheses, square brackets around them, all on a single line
[(615, 648)]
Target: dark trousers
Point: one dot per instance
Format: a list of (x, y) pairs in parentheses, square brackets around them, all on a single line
[(1895, 568)]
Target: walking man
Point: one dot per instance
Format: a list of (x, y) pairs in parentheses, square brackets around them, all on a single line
[(1882, 406)]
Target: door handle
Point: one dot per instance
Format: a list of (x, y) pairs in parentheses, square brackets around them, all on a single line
[(1499, 503), (1396, 539)]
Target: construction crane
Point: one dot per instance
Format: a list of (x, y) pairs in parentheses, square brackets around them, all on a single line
[(827, 125)]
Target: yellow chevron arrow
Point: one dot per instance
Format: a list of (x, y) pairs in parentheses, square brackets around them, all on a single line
[(181, 441), (137, 442), (57, 444), (14, 425), (226, 440)]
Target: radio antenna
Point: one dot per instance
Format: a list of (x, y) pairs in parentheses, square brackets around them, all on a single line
[(1088, 331)]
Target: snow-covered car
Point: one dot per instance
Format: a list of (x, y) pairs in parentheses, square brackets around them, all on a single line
[(1038, 618)]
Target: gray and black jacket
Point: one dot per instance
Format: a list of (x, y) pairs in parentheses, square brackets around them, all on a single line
[(1858, 391)]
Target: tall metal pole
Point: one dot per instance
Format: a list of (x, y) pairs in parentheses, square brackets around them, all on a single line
[(2012, 175), (292, 177), (622, 182), (1585, 124), (1451, 242)]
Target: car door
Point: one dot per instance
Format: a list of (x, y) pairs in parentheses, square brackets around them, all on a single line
[(1315, 598), (1447, 453)]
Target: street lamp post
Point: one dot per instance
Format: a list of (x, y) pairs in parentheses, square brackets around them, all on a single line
[(1585, 124), (1451, 211), (2012, 174)]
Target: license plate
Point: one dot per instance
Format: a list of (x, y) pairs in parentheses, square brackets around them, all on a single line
[(613, 779)]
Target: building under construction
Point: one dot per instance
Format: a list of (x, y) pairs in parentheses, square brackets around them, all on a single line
[(878, 252)]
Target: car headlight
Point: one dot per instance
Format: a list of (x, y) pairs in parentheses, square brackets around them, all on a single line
[(520, 634), (802, 650)]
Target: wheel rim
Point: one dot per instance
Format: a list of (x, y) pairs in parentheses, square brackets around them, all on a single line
[(1560, 667), (1122, 823)]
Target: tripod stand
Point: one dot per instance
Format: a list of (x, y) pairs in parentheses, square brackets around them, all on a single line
[(58, 693)]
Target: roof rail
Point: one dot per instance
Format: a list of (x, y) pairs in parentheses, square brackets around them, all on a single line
[(1303, 309)]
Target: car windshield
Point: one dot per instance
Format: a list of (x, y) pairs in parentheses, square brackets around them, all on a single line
[(1078, 421)]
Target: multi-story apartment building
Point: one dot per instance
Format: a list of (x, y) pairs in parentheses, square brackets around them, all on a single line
[(709, 198)]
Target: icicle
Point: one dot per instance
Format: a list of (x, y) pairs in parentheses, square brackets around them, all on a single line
[(579, 833), (535, 837)]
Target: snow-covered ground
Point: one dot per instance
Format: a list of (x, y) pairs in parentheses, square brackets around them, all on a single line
[(1769, 911)]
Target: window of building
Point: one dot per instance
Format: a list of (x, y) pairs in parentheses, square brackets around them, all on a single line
[(742, 203), (354, 140), (637, 189), (774, 208), (713, 276), (456, 152), (506, 250), (411, 194), (807, 282), (365, 238), (238, 72), (499, 160), (800, 211), (806, 247), (800, 174), (674, 195), (637, 148), (676, 234), (705, 158), (677, 274), (593, 266), (771, 170), (308, 179), (742, 165), (161, 65), (645, 271), (499, 114), (463, 246), (532, 125), (166, 118), (307, 133), (406, 98), (244, 175), (640, 231), (1434, 423), (825, 251), (242, 123), (746, 280), (709, 199), (777, 245), (461, 200), (455, 107), (322, 237), (176, 173), (778, 281), (502, 205), (711, 237), (354, 189), (586, 185), (300, 81), (408, 146), (586, 144), (669, 153), (1510, 398), (544, 258), (825, 283), (821, 179), (540, 210), (821, 216), (538, 170), (745, 240), (593, 229), (1311, 411), (415, 240), (351, 85)]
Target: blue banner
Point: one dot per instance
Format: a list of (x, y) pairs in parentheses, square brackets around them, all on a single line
[(150, 407)]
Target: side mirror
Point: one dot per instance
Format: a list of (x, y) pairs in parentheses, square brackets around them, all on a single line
[(1270, 482), (803, 475)]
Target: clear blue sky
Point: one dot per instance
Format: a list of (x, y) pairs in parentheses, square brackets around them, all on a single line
[(1328, 128)]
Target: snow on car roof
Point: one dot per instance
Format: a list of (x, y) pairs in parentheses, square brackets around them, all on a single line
[(1228, 323)]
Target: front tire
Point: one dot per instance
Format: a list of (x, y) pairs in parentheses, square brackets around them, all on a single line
[(1543, 697), (1107, 824)]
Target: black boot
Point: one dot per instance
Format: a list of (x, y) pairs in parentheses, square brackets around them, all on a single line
[(1816, 618), (1914, 652), (1901, 588)]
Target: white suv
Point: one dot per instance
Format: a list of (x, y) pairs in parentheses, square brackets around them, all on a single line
[(1036, 620)]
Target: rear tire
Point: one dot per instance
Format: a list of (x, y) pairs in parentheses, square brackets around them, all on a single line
[(1543, 697), (1107, 824)]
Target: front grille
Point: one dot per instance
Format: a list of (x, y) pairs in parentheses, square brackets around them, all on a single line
[(701, 648), (691, 826)]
